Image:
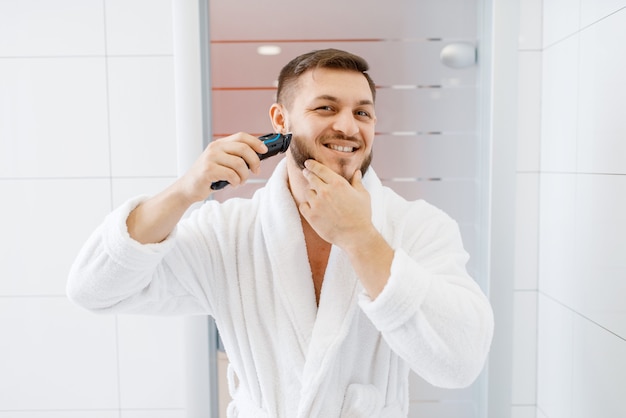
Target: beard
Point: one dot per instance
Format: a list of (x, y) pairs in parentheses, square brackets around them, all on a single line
[(300, 151)]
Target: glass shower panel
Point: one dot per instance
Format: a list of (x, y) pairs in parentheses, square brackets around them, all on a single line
[(427, 141)]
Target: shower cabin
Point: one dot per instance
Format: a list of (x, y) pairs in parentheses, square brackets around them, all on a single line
[(433, 63)]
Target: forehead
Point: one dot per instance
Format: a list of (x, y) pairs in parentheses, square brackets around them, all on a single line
[(343, 84)]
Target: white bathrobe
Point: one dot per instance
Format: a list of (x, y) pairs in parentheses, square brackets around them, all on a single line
[(245, 263)]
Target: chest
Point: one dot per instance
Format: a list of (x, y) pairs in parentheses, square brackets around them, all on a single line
[(318, 252)]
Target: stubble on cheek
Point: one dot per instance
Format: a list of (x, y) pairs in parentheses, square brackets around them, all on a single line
[(300, 153)]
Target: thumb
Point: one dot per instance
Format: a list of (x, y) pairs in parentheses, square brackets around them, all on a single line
[(356, 180)]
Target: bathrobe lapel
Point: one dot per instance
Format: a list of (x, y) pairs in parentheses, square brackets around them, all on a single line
[(318, 332), (335, 317), (338, 304), (292, 279)]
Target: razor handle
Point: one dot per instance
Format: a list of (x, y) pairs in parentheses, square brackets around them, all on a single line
[(276, 143)]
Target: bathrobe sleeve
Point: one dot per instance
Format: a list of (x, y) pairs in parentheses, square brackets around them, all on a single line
[(431, 312), (114, 273)]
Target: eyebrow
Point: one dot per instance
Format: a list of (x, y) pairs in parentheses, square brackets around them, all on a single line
[(334, 99)]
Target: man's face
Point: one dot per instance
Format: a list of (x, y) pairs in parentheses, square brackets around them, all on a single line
[(332, 120)]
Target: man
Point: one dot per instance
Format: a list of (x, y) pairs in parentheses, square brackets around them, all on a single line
[(327, 287)]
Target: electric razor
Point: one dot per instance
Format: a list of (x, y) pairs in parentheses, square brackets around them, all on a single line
[(276, 143)]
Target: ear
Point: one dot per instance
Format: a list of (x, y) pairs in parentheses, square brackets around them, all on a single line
[(278, 117)]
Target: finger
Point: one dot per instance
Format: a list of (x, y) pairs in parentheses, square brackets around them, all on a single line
[(250, 140), (310, 194), (305, 209), (232, 169), (251, 155), (314, 181), (252, 160), (255, 143), (239, 156), (320, 171), (357, 180)]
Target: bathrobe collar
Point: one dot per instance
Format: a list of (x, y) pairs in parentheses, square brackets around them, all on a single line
[(317, 333)]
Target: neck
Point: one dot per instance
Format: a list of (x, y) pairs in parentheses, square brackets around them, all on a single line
[(298, 186), (296, 181)]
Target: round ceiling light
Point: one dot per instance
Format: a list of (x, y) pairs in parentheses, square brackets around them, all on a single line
[(269, 50)]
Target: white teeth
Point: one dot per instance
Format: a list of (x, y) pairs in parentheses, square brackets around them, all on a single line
[(341, 149)]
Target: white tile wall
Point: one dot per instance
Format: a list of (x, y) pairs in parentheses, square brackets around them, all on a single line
[(77, 81), (556, 355), (523, 412), (56, 356), (557, 236), (560, 19), (602, 128), (141, 106), (126, 188), (581, 341), (129, 32), (151, 362), (529, 127), (560, 106), (529, 110), (44, 224), (527, 226), (593, 10), (525, 349), (597, 286), (531, 22), (60, 414), (53, 117), (422, 391), (582, 367), (60, 28), (540, 414), (443, 409), (598, 372), (152, 413)]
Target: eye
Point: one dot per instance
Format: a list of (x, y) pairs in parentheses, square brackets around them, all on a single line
[(324, 108), (363, 114)]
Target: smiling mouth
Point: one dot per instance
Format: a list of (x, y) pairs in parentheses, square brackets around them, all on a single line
[(340, 148)]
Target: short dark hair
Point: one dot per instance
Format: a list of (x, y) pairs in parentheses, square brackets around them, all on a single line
[(324, 58)]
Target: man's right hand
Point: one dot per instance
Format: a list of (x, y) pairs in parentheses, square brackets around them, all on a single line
[(230, 158)]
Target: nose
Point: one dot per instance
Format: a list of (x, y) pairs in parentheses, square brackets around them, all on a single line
[(346, 123)]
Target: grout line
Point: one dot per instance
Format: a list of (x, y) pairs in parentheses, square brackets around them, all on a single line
[(581, 29), (108, 110), (583, 173), (563, 39), (599, 20), (108, 104), (117, 365), (33, 296), (87, 56), (92, 410), (173, 176), (579, 314)]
